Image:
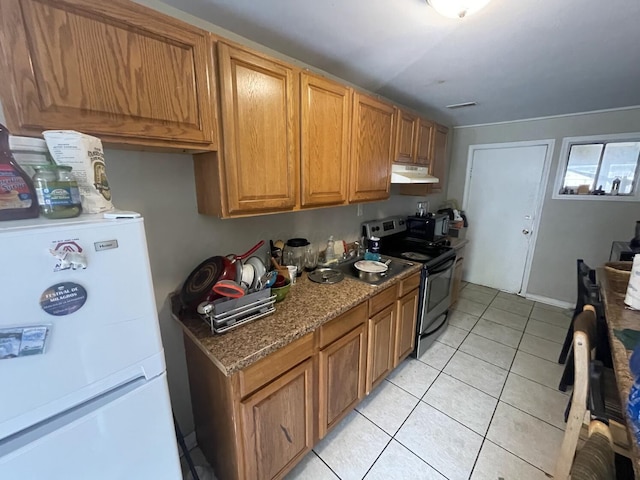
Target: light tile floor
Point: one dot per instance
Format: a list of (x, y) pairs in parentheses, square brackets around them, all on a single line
[(481, 404)]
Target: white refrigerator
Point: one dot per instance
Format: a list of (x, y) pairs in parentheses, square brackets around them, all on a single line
[(83, 388)]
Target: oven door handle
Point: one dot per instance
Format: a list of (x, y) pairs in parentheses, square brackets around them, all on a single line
[(446, 267), (434, 330)]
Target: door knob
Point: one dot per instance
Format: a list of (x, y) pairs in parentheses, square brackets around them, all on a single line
[(525, 231)]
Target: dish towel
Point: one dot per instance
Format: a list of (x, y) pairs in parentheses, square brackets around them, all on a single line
[(629, 338)]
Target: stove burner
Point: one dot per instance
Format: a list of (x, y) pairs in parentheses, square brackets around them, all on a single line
[(418, 257)]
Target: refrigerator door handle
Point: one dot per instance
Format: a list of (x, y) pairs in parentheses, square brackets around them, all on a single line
[(20, 439)]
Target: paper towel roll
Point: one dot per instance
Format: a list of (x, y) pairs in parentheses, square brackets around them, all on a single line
[(632, 298)]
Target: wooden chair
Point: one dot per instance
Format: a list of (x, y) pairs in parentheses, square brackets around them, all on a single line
[(588, 294), (586, 278), (595, 392), (596, 459)]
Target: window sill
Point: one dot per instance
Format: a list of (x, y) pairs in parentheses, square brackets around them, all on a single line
[(597, 198)]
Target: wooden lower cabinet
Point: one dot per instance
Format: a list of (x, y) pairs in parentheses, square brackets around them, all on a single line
[(407, 311), (277, 423), (380, 350), (342, 377), (260, 421)]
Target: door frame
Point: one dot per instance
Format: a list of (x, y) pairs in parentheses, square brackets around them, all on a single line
[(539, 202)]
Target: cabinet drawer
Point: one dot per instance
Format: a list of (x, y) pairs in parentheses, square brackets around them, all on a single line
[(346, 322), (409, 284), (274, 365), (383, 299)]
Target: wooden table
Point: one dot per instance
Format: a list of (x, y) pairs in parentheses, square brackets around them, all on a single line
[(619, 317)]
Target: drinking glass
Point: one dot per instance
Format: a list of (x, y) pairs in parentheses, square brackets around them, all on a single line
[(310, 258)]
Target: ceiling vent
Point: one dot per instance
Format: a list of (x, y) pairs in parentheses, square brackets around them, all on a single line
[(462, 105)]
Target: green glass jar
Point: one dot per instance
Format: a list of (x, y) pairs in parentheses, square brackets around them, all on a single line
[(57, 191)]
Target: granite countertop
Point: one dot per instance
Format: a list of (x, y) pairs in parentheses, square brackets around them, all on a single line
[(307, 306), (619, 317)]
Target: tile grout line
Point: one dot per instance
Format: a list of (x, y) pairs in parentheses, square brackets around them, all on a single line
[(541, 358), (327, 465), (484, 439), (393, 437), (538, 336), (441, 372)]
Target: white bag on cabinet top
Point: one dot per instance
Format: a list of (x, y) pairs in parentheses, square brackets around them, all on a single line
[(85, 155)]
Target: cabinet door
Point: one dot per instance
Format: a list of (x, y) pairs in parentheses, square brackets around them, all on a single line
[(114, 69), (407, 308), (372, 149), (342, 377), (326, 117), (406, 137), (381, 344), (260, 125), (425, 133), (278, 423), (439, 158)]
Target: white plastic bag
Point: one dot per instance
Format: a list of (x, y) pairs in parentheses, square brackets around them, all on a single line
[(85, 155), (632, 299)]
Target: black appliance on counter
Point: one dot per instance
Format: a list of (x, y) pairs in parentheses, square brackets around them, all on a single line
[(436, 279), (433, 227)]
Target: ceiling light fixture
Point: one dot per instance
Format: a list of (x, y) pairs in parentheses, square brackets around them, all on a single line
[(462, 105), (457, 8)]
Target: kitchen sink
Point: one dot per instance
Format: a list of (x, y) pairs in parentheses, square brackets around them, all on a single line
[(396, 267)]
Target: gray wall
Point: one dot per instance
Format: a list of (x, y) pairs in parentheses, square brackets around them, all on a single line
[(569, 229), (161, 187)]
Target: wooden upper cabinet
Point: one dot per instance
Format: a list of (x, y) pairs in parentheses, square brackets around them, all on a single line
[(372, 148), (325, 122), (439, 158), (114, 69), (260, 124), (425, 135), (407, 131)]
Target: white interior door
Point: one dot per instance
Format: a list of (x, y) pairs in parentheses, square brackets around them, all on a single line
[(502, 201)]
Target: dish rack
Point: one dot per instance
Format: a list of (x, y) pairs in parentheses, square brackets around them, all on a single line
[(228, 314)]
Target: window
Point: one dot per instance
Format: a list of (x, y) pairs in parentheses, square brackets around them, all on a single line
[(599, 167)]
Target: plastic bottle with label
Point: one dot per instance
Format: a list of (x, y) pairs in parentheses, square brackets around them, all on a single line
[(330, 253), (17, 193)]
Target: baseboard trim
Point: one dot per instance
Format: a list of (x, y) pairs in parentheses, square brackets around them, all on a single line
[(549, 301), (190, 441)]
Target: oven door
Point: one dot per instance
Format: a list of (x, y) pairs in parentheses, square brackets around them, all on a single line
[(435, 298)]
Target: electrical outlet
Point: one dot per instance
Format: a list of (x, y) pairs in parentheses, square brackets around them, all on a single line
[(360, 212)]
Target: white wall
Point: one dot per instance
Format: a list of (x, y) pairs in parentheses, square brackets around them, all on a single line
[(569, 229)]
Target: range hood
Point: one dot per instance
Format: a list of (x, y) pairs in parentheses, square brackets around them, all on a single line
[(411, 174)]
